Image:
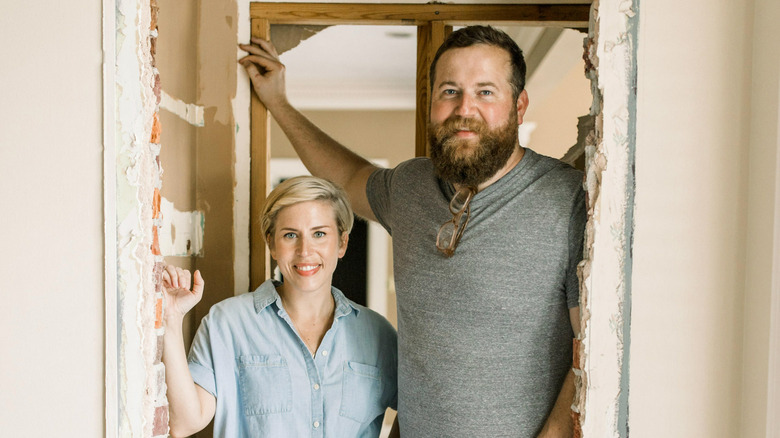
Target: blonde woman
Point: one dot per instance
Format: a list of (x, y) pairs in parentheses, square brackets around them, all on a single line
[(290, 359)]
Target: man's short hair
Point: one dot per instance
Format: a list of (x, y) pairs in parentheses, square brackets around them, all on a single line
[(472, 35), (303, 189)]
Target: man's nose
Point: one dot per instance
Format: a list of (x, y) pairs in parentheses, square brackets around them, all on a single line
[(465, 106)]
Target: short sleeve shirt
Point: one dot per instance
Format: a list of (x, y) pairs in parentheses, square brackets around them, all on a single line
[(248, 354), (484, 336)]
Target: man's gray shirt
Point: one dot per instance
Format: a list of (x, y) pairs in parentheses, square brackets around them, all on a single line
[(484, 337)]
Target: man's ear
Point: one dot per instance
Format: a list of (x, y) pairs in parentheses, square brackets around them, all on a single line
[(343, 241), (522, 106)]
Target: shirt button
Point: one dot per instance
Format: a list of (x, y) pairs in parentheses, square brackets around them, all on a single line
[(316, 424), (324, 352), (316, 386)]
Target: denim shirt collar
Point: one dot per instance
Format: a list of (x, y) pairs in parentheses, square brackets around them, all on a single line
[(266, 294)]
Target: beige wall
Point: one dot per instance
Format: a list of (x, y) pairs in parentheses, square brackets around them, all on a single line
[(761, 221), (51, 211), (372, 134), (698, 352), (177, 63)]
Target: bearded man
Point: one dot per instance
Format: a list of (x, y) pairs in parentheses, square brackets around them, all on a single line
[(487, 236)]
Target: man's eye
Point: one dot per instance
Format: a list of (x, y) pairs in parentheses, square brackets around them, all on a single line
[(319, 234), (486, 92), (450, 92)]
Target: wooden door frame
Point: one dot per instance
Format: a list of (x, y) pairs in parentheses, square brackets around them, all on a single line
[(433, 22)]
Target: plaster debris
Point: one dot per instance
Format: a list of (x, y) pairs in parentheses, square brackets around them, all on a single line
[(189, 112), (601, 368)]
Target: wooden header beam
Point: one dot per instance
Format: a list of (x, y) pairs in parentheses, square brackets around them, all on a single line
[(561, 15)]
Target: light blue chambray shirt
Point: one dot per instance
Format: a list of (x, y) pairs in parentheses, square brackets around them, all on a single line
[(248, 355)]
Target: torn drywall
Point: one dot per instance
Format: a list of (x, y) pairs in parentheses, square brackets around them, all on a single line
[(139, 264), (602, 349)]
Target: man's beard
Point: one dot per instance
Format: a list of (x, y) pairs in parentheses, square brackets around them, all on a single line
[(462, 162)]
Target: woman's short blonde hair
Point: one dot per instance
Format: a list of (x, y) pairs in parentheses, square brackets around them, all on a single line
[(303, 189)]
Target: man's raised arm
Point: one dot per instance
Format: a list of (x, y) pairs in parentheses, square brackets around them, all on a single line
[(322, 155)]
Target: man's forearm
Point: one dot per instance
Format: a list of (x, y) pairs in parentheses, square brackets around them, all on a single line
[(559, 423)]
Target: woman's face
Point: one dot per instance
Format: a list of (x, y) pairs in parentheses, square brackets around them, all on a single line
[(307, 246)]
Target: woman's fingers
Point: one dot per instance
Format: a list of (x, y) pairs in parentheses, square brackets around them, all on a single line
[(174, 277), (197, 283), (184, 278)]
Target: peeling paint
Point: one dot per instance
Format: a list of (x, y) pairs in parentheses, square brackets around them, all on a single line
[(181, 232), (137, 197), (189, 112)]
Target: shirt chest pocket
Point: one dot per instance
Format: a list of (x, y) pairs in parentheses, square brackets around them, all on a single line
[(264, 384), (361, 397)]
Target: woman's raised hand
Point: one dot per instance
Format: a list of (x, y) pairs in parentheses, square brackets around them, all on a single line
[(180, 297)]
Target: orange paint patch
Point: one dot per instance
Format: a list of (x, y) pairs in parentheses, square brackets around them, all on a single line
[(156, 129), (156, 204), (158, 310)]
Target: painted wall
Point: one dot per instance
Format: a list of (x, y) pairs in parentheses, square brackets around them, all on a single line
[(760, 358), (51, 198), (704, 206), (177, 63)]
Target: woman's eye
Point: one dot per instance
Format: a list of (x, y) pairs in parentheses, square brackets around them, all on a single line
[(450, 92), (289, 235)]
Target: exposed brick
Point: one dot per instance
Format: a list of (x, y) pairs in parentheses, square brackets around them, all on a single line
[(158, 355), (158, 312), (156, 129), (155, 9), (156, 203), (157, 87), (577, 424), (160, 420), (153, 50), (158, 271), (576, 346)]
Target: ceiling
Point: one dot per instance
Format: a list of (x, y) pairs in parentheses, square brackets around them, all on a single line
[(373, 67)]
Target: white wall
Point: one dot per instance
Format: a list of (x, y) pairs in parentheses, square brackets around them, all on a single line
[(51, 220), (693, 338)]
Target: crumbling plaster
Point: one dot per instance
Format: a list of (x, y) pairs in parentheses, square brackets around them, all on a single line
[(140, 392), (601, 361)]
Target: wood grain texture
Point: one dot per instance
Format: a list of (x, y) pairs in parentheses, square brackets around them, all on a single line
[(564, 15), (259, 258)]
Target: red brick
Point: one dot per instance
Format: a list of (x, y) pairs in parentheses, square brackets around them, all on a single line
[(576, 347), (156, 129), (160, 421), (155, 9), (158, 353), (158, 312), (156, 204), (577, 424)]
